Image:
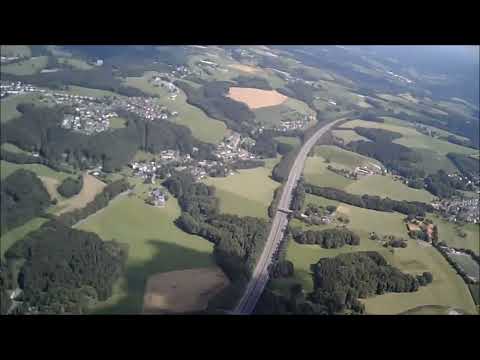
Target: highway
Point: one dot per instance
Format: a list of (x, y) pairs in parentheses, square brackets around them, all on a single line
[(260, 275)]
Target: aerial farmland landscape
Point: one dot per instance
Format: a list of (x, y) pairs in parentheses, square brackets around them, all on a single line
[(239, 180)]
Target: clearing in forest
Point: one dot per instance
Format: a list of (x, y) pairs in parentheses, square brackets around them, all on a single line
[(183, 290), (91, 187), (256, 98)]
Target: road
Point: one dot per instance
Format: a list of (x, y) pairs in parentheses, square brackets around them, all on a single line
[(260, 275)]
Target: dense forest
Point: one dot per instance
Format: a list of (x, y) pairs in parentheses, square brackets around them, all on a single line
[(252, 82), (328, 238), (37, 130), (370, 202), (70, 186), (23, 197), (65, 270)]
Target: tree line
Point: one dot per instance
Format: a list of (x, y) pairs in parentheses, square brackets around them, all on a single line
[(370, 202)]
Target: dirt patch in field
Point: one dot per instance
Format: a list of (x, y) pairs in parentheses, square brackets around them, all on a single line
[(183, 291), (91, 187), (413, 227), (343, 209), (256, 98), (245, 68), (51, 185)]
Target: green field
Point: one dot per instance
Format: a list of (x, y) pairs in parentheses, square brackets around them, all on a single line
[(343, 157), (75, 63), (41, 170), (386, 186), (271, 116), (348, 135), (294, 141), (15, 50), (447, 234), (247, 193), (411, 137), (316, 173), (8, 105), (26, 67), (12, 236), (203, 127), (117, 123), (447, 289), (155, 245), (13, 149)]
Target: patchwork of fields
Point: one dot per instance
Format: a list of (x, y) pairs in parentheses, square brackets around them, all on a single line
[(447, 289)]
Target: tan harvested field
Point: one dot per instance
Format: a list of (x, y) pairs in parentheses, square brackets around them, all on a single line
[(51, 185), (256, 98), (91, 187), (183, 290), (245, 68)]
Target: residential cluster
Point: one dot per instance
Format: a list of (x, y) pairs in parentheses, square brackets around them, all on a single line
[(294, 124), (169, 161), (92, 115), (403, 78), (235, 147), (164, 80), (157, 197), (464, 210)]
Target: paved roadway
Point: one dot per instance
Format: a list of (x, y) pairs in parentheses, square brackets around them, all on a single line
[(260, 276)]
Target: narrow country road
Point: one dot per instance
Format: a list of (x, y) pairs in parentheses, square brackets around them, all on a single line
[(260, 275)]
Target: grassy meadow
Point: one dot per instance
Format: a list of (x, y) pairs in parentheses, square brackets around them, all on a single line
[(26, 67)]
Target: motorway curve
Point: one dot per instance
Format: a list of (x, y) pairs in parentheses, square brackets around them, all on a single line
[(260, 275)]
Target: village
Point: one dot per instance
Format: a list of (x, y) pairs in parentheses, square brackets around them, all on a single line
[(459, 210), (90, 114)]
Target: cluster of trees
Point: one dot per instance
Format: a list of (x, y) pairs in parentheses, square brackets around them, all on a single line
[(440, 247), (265, 146), (252, 82), (443, 186), (328, 238), (212, 99), (281, 171), (272, 208), (299, 90), (247, 164), (37, 129), (23, 197), (70, 186), (238, 240), (370, 202), (298, 196), (467, 165), (64, 270), (340, 281), (100, 201)]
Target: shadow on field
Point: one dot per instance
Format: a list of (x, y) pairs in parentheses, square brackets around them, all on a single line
[(165, 257)]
